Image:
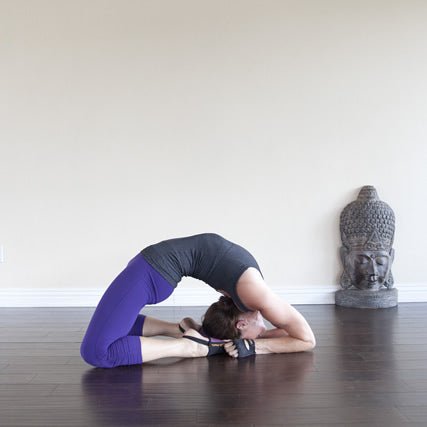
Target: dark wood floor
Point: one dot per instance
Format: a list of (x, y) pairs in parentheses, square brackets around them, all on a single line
[(369, 368)]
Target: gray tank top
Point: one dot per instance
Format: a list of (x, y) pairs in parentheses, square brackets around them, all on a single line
[(208, 257)]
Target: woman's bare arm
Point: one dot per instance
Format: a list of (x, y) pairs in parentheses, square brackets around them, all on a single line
[(297, 335)]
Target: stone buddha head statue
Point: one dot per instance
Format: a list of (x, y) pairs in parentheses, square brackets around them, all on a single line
[(367, 233)]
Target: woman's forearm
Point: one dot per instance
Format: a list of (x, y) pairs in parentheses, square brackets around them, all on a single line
[(284, 344)]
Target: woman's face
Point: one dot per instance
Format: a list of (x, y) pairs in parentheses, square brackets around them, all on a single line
[(254, 325)]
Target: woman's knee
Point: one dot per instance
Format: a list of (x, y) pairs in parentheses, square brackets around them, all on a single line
[(91, 356), (87, 353), (124, 351)]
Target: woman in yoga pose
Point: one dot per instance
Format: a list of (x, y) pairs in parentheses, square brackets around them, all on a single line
[(119, 335)]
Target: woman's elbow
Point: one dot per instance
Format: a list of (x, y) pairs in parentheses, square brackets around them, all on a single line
[(309, 340), (311, 343)]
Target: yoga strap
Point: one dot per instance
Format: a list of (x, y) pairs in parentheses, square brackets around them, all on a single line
[(214, 347)]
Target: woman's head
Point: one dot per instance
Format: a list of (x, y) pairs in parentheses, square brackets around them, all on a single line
[(223, 320), (220, 320)]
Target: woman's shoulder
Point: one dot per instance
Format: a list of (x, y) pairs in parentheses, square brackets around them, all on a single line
[(252, 289)]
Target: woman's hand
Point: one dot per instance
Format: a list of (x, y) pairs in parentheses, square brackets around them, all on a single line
[(240, 348)]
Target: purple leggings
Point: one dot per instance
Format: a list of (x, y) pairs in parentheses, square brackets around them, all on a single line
[(112, 337)]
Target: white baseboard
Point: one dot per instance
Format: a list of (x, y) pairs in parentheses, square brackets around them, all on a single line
[(183, 296)]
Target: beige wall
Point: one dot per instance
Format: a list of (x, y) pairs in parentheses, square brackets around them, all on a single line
[(127, 122)]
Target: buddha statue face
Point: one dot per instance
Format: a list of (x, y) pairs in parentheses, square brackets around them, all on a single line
[(368, 270)]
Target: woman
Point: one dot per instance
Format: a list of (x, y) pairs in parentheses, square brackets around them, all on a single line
[(119, 335)]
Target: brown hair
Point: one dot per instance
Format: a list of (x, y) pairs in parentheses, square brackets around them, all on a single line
[(220, 320)]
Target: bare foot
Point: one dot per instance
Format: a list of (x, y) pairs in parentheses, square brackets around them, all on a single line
[(197, 349), (188, 323)]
